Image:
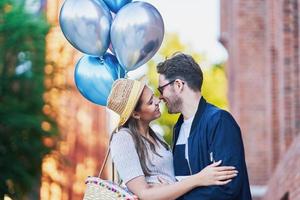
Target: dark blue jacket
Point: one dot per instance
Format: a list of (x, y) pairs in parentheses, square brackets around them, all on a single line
[(215, 135)]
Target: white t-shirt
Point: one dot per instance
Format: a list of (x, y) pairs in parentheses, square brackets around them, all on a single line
[(184, 134)]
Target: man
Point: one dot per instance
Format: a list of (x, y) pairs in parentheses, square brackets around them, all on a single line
[(203, 133)]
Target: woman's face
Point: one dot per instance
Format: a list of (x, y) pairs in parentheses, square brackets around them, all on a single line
[(149, 106)]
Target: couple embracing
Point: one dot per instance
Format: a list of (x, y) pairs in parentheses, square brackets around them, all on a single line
[(207, 158)]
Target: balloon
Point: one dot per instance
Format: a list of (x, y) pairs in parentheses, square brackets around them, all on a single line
[(86, 25), (94, 77), (116, 5), (136, 34), (115, 68), (111, 49)]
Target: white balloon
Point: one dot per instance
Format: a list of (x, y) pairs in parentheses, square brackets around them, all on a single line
[(86, 25), (136, 34)]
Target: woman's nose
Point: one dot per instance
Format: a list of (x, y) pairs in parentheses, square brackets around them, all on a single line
[(157, 101)]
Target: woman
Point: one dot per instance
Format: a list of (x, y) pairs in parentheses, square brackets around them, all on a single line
[(142, 158)]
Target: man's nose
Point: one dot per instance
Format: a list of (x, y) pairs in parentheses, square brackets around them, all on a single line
[(161, 97)]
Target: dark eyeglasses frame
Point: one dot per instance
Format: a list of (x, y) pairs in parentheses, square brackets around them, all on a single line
[(161, 88)]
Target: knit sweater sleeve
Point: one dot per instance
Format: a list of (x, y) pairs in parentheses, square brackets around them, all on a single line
[(125, 156)]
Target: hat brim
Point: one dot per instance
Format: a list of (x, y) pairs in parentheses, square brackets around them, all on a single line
[(133, 99)]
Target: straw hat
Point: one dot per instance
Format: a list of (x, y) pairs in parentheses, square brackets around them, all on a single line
[(123, 98)]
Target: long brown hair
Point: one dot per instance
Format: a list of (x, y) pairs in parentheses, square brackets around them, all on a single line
[(140, 141)]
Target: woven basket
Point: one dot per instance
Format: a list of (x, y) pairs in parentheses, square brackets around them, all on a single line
[(99, 189)]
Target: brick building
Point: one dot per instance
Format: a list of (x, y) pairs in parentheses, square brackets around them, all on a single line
[(82, 126), (262, 40)]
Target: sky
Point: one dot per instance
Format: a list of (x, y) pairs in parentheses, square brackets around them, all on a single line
[(197, 22)]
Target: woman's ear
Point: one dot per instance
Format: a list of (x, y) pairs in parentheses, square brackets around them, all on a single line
[(135, 115)]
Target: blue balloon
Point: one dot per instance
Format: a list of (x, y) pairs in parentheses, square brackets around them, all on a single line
[(94, 77), (86, 25), (116, 5)]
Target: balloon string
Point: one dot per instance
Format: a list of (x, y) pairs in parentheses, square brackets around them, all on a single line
[(119, 71), (126, 74)]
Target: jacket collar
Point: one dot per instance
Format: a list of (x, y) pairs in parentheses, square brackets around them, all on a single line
[(201, 107)]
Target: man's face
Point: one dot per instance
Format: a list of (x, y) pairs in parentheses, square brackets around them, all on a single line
[(169, 95)]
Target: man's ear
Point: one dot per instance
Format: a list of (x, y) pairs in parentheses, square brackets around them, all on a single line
[(179, 84), (135, 115)]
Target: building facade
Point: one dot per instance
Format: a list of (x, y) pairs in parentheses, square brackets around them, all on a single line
[(262, 40), (83, 138)]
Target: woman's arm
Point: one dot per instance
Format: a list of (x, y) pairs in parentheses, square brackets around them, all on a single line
[(211, 175)]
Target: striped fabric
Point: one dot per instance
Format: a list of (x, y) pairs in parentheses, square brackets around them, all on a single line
[(127, 162)]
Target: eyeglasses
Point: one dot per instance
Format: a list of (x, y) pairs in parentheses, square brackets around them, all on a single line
[(161, 88)]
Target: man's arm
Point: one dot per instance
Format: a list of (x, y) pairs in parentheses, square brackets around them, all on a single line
[(226, 145)]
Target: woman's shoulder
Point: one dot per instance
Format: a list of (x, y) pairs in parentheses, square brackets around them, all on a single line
[(124, 131), (122, 135), (121, 140)]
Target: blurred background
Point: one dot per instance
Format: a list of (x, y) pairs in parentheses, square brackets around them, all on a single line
[(52, 138)]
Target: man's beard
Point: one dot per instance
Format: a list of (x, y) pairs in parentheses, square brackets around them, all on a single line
[(175, 105)]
